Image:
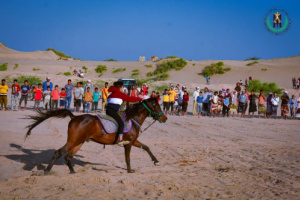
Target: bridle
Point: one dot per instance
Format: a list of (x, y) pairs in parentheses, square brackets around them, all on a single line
[(151, 113), (156, 115)]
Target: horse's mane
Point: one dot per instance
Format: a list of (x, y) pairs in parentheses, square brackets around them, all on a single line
[(131, 111)]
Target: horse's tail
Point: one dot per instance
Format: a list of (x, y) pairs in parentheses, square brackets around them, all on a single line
[(42, 116)]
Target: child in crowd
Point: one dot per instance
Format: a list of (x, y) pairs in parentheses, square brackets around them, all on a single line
[(146, 96), (55, 97), (15, 89), (63, 95), (25, 89), (185, 101), (88, 99), (38, 96), (153, 94), (47, 98), (96, 99), (226, 106), (158, 97), (166, 101), (214, 101), (77, 92), (199, 104)]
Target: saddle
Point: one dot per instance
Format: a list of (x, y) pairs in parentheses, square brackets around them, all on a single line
[(110, 125)]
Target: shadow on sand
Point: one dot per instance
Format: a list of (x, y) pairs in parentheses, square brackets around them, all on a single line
[(41, 158)]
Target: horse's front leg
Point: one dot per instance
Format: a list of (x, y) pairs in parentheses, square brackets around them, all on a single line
[(127, 157), (146, 148)]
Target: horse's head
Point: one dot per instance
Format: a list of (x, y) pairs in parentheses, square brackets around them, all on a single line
[(154, 110)]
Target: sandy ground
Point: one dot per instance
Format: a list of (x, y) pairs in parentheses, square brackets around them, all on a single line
[(207, 158)]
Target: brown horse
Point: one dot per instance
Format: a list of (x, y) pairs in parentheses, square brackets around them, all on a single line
[(88, 127)]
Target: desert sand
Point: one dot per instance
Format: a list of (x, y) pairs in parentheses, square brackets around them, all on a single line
[(206, 158)]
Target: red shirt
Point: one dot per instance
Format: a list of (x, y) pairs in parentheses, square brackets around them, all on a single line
[(144, 90), (186, 99), (55, 94), (15, 88), (38, 94), (63, 95)]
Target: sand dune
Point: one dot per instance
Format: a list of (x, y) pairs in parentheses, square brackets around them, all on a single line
[(207, 158)]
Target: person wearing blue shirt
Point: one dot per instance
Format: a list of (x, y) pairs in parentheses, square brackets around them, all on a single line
[(199, 104), (96, 99), (206, 97), (243, 98), (25, 89), (226, 108), (47, 83), (69, 90), (293, 106)]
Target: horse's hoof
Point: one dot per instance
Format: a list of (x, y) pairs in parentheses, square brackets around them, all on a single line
[(46, 172), (131, 171), (73, 172), (157, 163)]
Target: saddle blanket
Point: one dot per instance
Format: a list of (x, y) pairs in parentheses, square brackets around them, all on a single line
[(110, 125)]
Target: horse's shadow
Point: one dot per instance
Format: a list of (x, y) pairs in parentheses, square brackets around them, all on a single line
[(41, 158)]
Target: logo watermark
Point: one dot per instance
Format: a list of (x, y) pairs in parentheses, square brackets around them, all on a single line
[(277, 21)]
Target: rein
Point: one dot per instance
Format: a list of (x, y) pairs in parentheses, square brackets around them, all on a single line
[(149, 115)]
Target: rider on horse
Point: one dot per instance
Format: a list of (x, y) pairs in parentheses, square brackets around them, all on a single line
[(115, 100)]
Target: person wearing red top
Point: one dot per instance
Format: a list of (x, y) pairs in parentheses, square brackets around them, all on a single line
[(144, 89), (62, 95), (185, 102), (115, 100), (15, 89), (38, 96), (158, 97), (55, 97)]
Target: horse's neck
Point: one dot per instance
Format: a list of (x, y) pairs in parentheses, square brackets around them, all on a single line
[(141, 116)]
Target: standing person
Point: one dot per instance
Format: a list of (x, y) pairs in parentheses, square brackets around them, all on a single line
[(195, 95), (96, 99), (15, 89), (226, 106), (69, 89), (275, 103), (88, 99), (88, 84), (269, 105), (153, 95), (38, 96), (298, 108), (77, 93), (55, 98), (134, 92), (220, 103), (293, 106), (243, 99), (233, 101), (104, 96), (146, 96), (206, 97), (250, 78), (3, 94), (261, 104), (144, 89), (207, 80), (45, 85), (298, 84), (180, 99), (199, 104), (82, 94), (115, 100), (47, 97), (294, 82), (284, 105), (252, 104), (185, 102), (166, 101), (214, 103), (172, 95), (158, 97), (62, 99), (25, 89), (138, 89), (238, 88)]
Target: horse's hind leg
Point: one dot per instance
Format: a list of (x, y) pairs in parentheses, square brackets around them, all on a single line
[(146, 148), (57, 155), (70, 155), (127, 157)]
